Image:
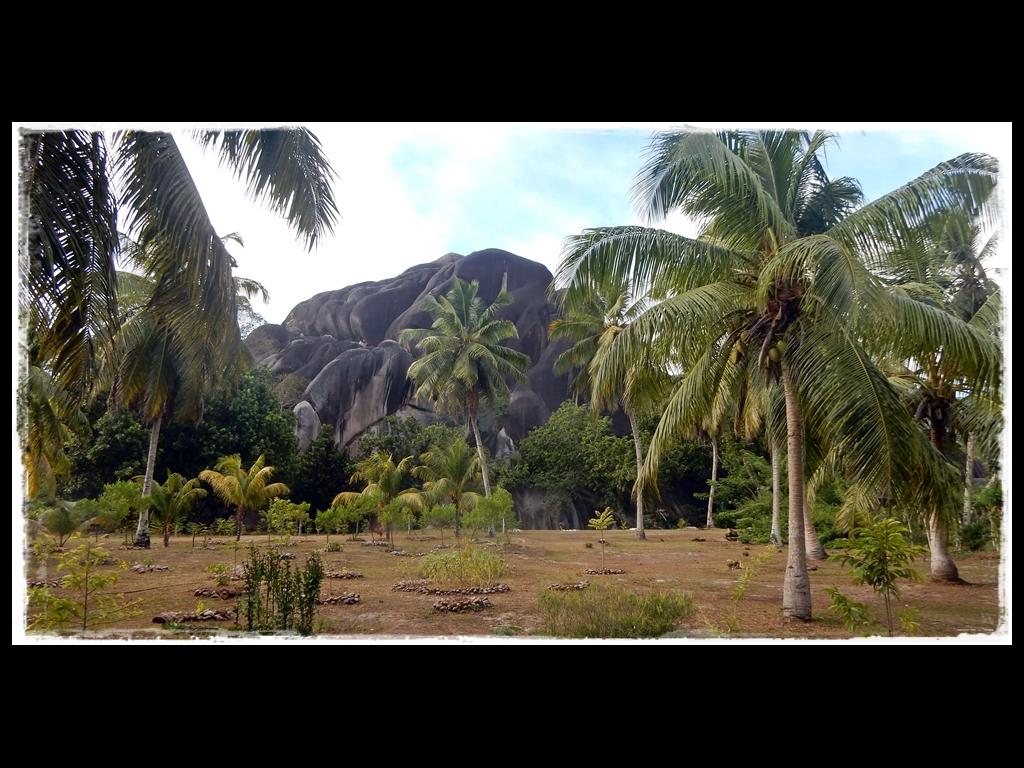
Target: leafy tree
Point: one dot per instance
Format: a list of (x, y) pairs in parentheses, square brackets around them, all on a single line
[(464, 360), (286, 517), (329, 521), (439, 516), (243, 489), (601, 521), (880, 555), (576, 452), (495, 509), (321, 470), (114, 451), (64, 519), (394, 513), (782, 286)]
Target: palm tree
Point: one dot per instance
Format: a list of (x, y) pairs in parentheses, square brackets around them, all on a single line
[(943, 269), (451, 474), (247, 490), (173, 500), (465, 361), (592, 320), (69, 240), (782, 273), (384, 479)]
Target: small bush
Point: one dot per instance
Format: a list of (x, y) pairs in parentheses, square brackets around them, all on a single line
[(334, 546), (603, 611), (975, 536), (854, 615), (464, 566)]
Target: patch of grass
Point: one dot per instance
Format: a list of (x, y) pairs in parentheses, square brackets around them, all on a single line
[(603, 611), (464, 566)]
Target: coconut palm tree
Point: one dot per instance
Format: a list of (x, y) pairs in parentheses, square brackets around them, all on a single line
[(451, 473), (783, 272), (465, 362), (247, 490), (591, 320), (943, 269), (384, 480), (173, 501), (69, 241)]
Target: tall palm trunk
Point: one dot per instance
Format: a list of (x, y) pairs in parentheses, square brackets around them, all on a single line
[(639, 466), (714, 481), (483, 462), (796, 587), (942, 566), (776, 535), (238, 522), (812, 547), (968, 480), (142, 532)]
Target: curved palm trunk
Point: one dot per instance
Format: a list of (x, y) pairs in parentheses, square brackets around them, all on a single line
[(710, 523), (142, 532), (796, 587), (968, 480), (639, 466), (942, 566), (776, 535)]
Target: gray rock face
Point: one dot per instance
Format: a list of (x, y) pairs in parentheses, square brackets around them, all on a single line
[(340, 347)]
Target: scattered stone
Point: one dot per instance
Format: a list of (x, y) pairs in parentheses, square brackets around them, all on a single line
[(142, 568), (238, 574), (733, 563), (47, 583), (422, 586), (375, 543), (698, 538), (588, 544), (349, 598), (604, 571), (183, 618), (286, 556), (123, 546), (746, 554), (462, 606), (224, 593), (343, 575), (403, 553), (569, 587), (812, 568), (732, 535)]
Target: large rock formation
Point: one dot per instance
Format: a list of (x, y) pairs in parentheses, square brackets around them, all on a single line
[(336, 362)]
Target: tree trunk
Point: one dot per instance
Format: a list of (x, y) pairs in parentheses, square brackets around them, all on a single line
[(942, 566), (812, 547), (796, 587), (142, 532), (639, 466), (167, 535), (710, 523), (776, 535), (968, 480), (483, 463), (238, 524)]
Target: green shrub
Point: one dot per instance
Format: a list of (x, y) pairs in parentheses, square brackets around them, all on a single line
[(276, 598), (854, 615), (334, 546), (602, 611), (975, 536), (464, 566)]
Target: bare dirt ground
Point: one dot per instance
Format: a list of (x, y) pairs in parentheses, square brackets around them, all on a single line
[(669, 560)]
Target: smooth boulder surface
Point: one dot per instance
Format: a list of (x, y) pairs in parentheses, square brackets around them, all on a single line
[(336, 361)]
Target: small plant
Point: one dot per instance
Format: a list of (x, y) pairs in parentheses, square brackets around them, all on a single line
[(739, 591), (601, 521), (497, 508), (908, 621), (276, 598), (603, 611), (221, 573), (224, 526), (88, 605), (334, 546), (395, 513), (193, 529), (854, 615), (330, 521), (464, 566), (879, 555)]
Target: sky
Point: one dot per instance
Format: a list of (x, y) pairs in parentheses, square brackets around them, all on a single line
[(410, 193)]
